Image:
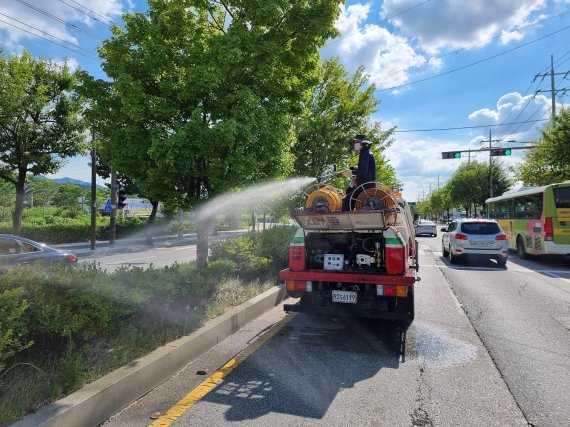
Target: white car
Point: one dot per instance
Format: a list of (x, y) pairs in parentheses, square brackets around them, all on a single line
[(426, 227), (478, 237)]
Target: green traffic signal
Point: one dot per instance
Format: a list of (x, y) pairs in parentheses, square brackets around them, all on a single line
[(507, 152), (457, 155)]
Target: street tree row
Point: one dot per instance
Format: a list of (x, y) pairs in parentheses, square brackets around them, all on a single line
[(202, 97)]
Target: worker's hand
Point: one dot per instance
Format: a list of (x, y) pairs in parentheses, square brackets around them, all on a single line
[(347, 172)]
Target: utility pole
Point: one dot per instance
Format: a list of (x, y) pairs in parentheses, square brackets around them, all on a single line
[(491, 163), (93, 191), (553, 91)]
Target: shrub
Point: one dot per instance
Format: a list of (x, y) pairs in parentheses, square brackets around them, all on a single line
[(242, 251), (13, 326), (274, 244)]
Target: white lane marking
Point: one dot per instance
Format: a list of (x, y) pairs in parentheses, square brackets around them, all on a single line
[(126, 261)]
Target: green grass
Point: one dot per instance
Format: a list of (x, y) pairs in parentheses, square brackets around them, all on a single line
[(85, 323)]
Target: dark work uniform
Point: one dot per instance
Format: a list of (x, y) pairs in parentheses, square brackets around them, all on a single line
[(365, 173)]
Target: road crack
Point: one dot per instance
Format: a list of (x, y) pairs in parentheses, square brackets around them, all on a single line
[(420, 416)]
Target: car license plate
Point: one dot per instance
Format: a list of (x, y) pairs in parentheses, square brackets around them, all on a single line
[(480, 243), (344, 296)]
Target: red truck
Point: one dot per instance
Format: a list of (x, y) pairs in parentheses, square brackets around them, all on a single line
[(360, 263)]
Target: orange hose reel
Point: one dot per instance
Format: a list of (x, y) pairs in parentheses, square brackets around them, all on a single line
[(325, 199)]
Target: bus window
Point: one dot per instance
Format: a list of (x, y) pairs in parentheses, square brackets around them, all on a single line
[(562, 197)]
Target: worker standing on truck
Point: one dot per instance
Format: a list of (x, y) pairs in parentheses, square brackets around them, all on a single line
[(363, 174)]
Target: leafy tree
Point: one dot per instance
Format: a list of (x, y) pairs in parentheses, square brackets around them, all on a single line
[(42, 190), (550, 162), (337, 109), (203, 91), (40, 121), (469, 185), (66, 196), (7, 196)]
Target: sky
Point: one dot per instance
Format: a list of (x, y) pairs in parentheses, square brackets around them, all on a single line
[(436, 65)]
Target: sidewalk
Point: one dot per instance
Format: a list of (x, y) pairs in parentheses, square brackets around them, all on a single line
[(133, 244)]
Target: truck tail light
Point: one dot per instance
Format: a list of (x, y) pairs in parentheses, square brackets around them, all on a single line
[(548, 229), (391, 291), (501, 237), (299, 286), (297, 257), (459, 236)]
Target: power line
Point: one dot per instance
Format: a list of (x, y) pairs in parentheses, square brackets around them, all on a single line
[(468, 127), (467, 47), (539, 109), (51, 41), (46, 33), (58, 19), (473, 63), (84, 13), (338, 40), (94, 12)]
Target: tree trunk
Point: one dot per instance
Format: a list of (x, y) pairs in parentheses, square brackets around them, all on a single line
[(19, 208), (202, 246), (152, 216)]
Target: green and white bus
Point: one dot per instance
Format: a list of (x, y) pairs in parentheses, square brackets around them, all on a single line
[(536, 220)]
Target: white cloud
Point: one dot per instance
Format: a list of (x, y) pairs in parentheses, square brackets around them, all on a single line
[(507, 37), (513, 107), (447, 24), (12, 12), (418, 163), (384, 55)]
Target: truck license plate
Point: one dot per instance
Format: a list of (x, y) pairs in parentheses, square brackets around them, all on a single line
[(344, 296)]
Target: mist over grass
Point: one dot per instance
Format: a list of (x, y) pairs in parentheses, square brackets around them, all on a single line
[(83, 323)]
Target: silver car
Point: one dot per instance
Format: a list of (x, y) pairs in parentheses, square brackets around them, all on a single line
[(425, 227), (18, 251), (478, 237)]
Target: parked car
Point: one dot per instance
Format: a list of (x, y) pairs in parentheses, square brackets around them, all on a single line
[(17, 251), (477, 237), (426, 227)]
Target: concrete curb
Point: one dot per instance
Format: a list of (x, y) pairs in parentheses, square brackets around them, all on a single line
[(96, 402)]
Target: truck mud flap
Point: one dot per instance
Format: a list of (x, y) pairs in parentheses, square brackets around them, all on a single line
[(345, 312)]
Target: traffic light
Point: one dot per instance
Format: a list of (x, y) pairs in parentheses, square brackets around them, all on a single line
[(501, 152), (451, 154), (122, 196)]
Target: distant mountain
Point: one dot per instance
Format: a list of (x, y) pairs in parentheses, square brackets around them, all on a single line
[(79, 183)]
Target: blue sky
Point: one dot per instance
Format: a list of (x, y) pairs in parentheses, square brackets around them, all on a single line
[(477, 58)]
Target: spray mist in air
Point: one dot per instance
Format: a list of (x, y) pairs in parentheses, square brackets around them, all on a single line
[(270, 193)]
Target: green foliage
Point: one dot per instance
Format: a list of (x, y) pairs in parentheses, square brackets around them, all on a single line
[(41, 122), (86, 322), (13, 324), (549, 163), (335, 110), (246, 75), (242, 251), (257, 253), (59, 225), (470, 184)]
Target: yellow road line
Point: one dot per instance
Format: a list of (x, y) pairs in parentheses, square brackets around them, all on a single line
[(211, 382)]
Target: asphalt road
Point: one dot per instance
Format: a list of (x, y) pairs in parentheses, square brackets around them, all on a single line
[(160, 255), (489, 346), (522, 314)]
